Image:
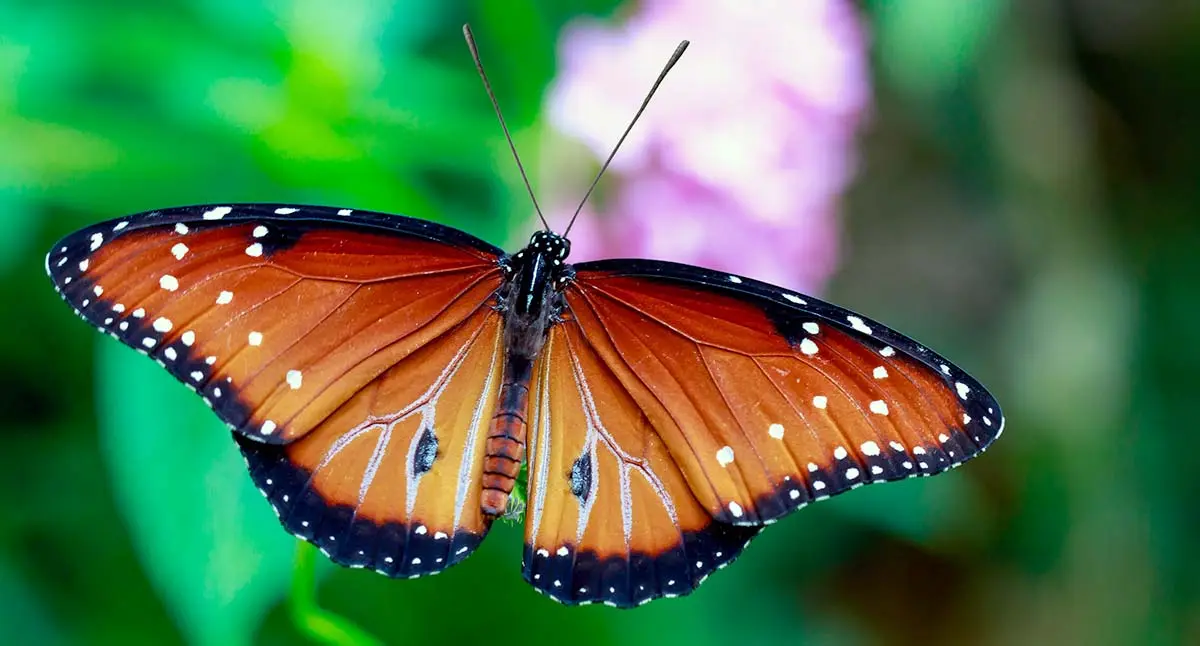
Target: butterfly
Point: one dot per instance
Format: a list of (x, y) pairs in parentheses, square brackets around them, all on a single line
[(386, 378)]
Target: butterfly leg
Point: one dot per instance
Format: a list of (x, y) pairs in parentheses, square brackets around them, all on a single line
[(506, 439)]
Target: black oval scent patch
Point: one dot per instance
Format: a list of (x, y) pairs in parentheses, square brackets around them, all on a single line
[(581, 476), (426, 453)]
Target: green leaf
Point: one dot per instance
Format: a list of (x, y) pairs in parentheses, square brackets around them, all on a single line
[(207, 538), (927, 45)]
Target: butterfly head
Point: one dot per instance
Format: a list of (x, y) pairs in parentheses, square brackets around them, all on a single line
[(554, 247)]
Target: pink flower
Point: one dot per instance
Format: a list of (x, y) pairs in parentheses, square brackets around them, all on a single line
[(738, 162)]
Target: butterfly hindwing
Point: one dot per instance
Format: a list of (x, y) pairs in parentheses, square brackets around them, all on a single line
[(391, 480), (767, 399), (610, 517)]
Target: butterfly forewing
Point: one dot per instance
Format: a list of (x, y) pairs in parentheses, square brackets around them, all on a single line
[(276, 315), (768, 400), (610, 516)]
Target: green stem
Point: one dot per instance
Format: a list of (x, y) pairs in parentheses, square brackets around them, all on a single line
[(320, 625)]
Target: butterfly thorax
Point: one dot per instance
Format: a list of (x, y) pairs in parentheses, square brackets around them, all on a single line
[(531, 297)]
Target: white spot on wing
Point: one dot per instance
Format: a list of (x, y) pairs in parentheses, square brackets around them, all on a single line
[(963, 389), (179, 250), (840, 453), (820, 401), (870, 448), (260, 231), (880, 372), (808, 347), (255, 250), (268, 427), (169, 283), (163, 325), (775, 431), (224, 298), (217, 213), (725, 456), (812, 328), (735, 280), (181, 229), (345, 212), (795, 299), (287, 210), (735, 509), (295, 379), (879, 407), (255, 339), (188, 338), (887, 351), (857, 324)]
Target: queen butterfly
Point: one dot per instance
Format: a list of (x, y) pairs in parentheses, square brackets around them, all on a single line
[(386, 377)]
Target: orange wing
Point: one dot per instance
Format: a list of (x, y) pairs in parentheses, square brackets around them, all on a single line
[(354, 354), (766, 400), (391, 480), (610, 516), (277, 316)]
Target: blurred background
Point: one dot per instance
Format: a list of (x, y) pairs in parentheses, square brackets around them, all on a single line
[(1014, 183)]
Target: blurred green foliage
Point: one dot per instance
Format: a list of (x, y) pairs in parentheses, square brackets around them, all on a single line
[(1027, 204)]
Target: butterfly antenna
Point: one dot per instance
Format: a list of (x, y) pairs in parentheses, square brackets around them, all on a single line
[(683, 45), (496, 106)]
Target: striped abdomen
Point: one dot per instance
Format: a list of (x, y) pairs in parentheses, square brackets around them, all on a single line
[(506, 439)]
